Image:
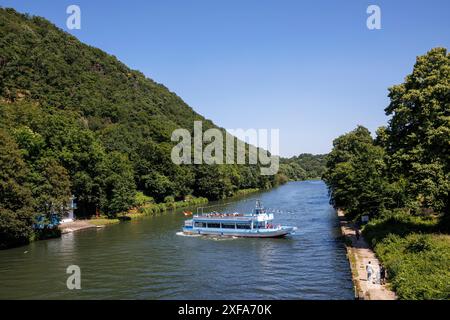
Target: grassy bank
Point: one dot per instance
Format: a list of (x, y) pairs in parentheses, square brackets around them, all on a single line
[(153, 208), (415, 254), (244, 192), (103, 221)]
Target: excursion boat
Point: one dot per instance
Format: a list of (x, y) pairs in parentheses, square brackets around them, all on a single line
[(257, 224)]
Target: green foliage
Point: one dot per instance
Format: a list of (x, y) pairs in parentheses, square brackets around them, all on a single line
[(50, 187), (244, 192), (154, 208), (169, 199), (303, 167), (209, 182), (117, 184), (398, 222), (16, 214), (418, 260), (418, 265), (29, 141), (418, 134), (354, 174), (141, 199)]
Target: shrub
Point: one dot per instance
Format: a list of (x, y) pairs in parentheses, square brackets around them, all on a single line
[(142, 199), (418, 265), (169, 199), (418, 262), (398, 222)]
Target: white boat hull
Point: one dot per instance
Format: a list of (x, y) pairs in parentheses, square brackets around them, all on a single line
[(264, 233)]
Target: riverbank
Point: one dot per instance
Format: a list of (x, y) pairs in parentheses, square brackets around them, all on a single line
[(77, 225), (359, 254)]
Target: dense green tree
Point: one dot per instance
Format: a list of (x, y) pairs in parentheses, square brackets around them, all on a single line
[(210, 183), (116, 179), (50, 187), (418, 135), (304, 166), (16, 214), (30, 142), (157, 185), (354, 174), (293, 171)]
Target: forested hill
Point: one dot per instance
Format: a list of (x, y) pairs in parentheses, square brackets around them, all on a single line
[(75, 120), (304, 166)]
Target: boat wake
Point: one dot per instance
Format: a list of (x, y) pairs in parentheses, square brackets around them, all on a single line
[(182, 234), (207, 237), (219, 238)]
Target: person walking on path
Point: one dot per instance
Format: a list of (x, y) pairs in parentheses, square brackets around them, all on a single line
[(382, 275), (369, 270), (357, 234)]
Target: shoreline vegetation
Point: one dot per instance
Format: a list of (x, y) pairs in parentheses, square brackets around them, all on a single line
[(305, 166), (400, 182), (416, 253)]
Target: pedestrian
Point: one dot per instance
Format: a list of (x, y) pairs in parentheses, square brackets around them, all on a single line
[(382, 275), (357, 234), (369, 270)]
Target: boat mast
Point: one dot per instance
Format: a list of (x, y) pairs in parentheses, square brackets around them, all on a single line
[(258, 208)]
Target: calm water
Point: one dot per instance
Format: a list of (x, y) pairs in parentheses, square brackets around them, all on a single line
[(146, 259)]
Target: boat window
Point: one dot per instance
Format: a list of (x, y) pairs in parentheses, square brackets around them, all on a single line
[(243, 225), (213, 225), (228, 225), (200, 224)]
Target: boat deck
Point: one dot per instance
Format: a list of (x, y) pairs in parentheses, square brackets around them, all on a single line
[(224, 217)]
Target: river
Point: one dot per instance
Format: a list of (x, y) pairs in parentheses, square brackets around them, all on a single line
[(148, 258)]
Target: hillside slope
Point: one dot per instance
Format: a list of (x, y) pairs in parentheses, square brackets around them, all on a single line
[(303, 167)]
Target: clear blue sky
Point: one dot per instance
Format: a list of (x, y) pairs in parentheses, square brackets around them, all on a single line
[(310, 68)]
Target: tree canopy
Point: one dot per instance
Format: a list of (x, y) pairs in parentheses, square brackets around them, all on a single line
[(407, 165), (303, 167)]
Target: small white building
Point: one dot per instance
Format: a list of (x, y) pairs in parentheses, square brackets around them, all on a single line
[(69, 216)]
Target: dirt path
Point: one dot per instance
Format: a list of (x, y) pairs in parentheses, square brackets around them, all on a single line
[(359, 254), (75, 226)]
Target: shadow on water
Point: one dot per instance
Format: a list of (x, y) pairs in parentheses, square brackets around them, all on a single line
[(148, 259)]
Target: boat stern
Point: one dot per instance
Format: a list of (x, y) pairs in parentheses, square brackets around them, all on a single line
[(289, 229), (188, 226)]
